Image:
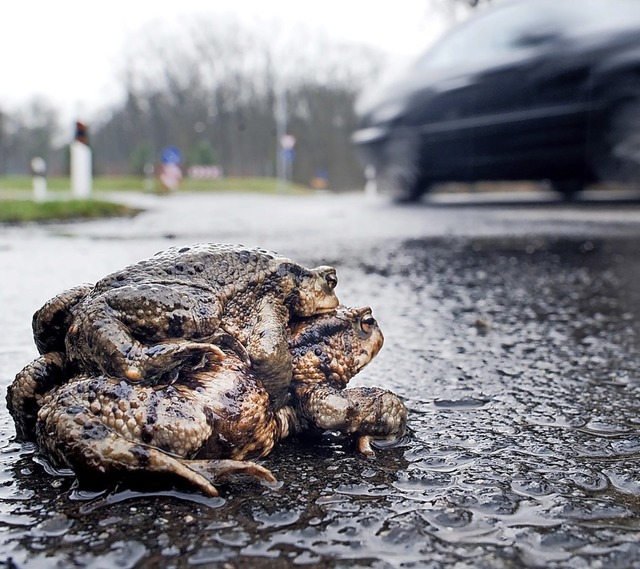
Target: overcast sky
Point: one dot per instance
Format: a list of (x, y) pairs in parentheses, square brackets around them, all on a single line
[(70, 50)]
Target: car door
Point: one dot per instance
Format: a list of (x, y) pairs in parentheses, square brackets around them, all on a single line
[(506, 113), (479, 102), (505, 125)]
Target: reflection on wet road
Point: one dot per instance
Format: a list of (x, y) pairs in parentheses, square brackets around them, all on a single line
[(516, 351)]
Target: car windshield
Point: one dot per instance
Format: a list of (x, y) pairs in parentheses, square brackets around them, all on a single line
[(524, 25)]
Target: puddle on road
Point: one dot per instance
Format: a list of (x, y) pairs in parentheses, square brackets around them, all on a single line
[(518, 361)]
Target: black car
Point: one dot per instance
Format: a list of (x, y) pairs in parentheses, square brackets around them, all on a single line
[(524, 90)]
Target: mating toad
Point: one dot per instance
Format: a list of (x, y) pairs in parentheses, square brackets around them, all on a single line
[(210, 420), (144, 322)]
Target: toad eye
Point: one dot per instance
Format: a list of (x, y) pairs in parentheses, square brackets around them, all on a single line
[(332, 280), (367, 322)]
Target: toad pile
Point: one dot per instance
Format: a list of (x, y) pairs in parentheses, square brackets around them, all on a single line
[(194, 362)]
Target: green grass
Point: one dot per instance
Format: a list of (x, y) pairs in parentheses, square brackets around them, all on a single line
[(132, 183), (24, 211), (16, 205)]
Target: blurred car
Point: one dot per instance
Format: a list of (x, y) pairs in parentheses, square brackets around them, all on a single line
[(524, 90)]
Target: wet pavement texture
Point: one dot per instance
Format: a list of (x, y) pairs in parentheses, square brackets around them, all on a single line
[(512, 334)]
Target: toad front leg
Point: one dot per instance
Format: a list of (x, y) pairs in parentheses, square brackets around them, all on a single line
[(144, 332), (370, 413), (268, 350)]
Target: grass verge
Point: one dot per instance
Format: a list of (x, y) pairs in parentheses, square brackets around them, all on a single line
[(24, 211), (16, 207)]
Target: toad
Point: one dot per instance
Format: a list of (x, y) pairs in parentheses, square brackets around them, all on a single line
[(142, 323), (214, 418)]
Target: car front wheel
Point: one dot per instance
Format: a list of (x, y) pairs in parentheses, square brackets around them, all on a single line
[(617, 156), (411, 190), (403, 177), (567, 188)]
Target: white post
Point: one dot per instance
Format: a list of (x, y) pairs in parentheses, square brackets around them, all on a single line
[(81, 174), (39, 170), (370, 186), (80, 170)]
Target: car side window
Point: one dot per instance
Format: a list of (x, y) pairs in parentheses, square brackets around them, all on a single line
[(497, 35)]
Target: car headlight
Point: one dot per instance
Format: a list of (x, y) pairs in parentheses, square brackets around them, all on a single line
[(369, 135), (387, 112)]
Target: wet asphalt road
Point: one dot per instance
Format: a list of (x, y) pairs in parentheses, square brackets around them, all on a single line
[(512, 333)]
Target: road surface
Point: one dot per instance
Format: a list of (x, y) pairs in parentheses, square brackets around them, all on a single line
[(512, 334)]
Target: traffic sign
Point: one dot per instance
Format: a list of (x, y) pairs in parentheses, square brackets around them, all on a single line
[(287, 141), (171, 155)]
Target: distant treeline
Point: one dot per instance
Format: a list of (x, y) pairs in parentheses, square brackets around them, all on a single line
[(215, 89)]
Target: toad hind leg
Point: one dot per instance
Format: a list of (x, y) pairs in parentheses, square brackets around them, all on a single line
[(154, 460), (117, 455), (74, 438), (142, 332), (158, 360), (69, 434), (25, 394), (223, 469), (90, 339)]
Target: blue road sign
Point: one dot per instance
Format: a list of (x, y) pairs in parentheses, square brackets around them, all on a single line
[(171, 155), (288, 154)]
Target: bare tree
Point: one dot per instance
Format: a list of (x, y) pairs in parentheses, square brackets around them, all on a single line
[(213, 84), (28, 132)]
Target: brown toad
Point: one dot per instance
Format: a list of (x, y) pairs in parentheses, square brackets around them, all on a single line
[(142, 323), (210, 421)]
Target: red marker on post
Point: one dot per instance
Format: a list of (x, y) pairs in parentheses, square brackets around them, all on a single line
[(81, 174)]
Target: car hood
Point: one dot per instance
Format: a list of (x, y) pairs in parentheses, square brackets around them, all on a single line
[(388, 101)]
